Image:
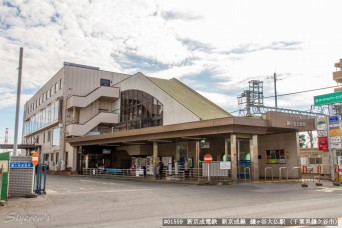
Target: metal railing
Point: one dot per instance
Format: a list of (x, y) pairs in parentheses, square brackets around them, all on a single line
[(174, 174), (249, 173), (294, 169), (266, 169), (287, 173)]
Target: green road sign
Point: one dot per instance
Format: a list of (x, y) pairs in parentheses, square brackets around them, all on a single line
[(328, 98)]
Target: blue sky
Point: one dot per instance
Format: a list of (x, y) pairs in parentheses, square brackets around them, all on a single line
[(215, 47)]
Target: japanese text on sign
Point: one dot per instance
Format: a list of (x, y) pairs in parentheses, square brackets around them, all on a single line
[(250, 222)]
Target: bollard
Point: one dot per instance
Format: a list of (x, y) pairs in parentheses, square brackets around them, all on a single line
[(305, 171), (319, 170), (336, 183)]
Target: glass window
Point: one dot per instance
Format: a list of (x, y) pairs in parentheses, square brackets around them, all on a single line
[(315, 160), (104, 82), (140, 109), (44, 117), (60, 84), (56, 87), (48, 136), (55, 139)]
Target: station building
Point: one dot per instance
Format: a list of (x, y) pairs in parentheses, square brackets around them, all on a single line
[(84, 117)]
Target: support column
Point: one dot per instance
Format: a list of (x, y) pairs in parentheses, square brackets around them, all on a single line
[(155, 157), (233, 156), (226, 148), (253, 143), (197, 154)]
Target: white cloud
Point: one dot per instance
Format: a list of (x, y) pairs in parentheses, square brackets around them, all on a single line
[(237, 41)]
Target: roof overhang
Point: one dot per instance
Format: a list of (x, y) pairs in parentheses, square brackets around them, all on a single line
[(274, 123)]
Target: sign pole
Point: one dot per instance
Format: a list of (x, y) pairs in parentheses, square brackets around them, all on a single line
[(208, 172), (331, 150)]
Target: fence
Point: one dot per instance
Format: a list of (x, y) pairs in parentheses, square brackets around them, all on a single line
[(176, 174)]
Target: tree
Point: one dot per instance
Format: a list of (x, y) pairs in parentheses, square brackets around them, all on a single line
[(302, 141)]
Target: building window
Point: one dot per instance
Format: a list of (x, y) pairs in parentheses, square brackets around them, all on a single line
[(55, 139), (48, 136), (315, 160), (140, 110), (104, 82), (60, 84), (43, 118), (56, 87)]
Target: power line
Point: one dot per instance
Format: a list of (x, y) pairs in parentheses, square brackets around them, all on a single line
[(304, 91)]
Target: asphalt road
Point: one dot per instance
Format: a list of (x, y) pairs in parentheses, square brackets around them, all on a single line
[(97, 202)]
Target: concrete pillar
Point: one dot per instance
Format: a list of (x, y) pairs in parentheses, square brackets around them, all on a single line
[(197, 154), (226, 141), (254, 157), (233, 156), (155, 156)]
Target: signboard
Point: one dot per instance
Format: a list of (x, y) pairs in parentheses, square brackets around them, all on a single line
[(21, 165), (321, 124), (106, 151), (335, 139), (225, 165), (205, 145), (328, 98), (335, 132), (208, 158), (339, 162), (323, 147), (323, 143), (335, 145), (334, 119), (322, 134)]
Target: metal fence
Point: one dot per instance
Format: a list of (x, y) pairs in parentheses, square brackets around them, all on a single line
[(174, 174)]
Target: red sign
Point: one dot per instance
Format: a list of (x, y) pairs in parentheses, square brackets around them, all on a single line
[(323, 143), (208, 158)]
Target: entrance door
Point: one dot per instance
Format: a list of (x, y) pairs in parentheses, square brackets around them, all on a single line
[(182, 153), (244, 158)]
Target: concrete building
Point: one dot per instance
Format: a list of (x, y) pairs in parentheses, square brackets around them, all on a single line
[(87, 118)]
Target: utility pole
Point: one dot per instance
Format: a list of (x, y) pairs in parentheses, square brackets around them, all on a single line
[(15, 145), (6, 136), (275, 90)]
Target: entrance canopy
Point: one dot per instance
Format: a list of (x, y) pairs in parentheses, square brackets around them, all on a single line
[(270, 123)]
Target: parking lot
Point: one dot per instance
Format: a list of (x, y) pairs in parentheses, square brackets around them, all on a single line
[(97, 202)]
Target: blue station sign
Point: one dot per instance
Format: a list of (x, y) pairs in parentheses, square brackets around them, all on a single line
[(21, 165)]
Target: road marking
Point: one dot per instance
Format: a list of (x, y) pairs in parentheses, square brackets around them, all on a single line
[(329, 189), (103, 191)]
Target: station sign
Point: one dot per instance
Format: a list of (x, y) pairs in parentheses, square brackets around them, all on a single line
[(21, 165), (328, 98)]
